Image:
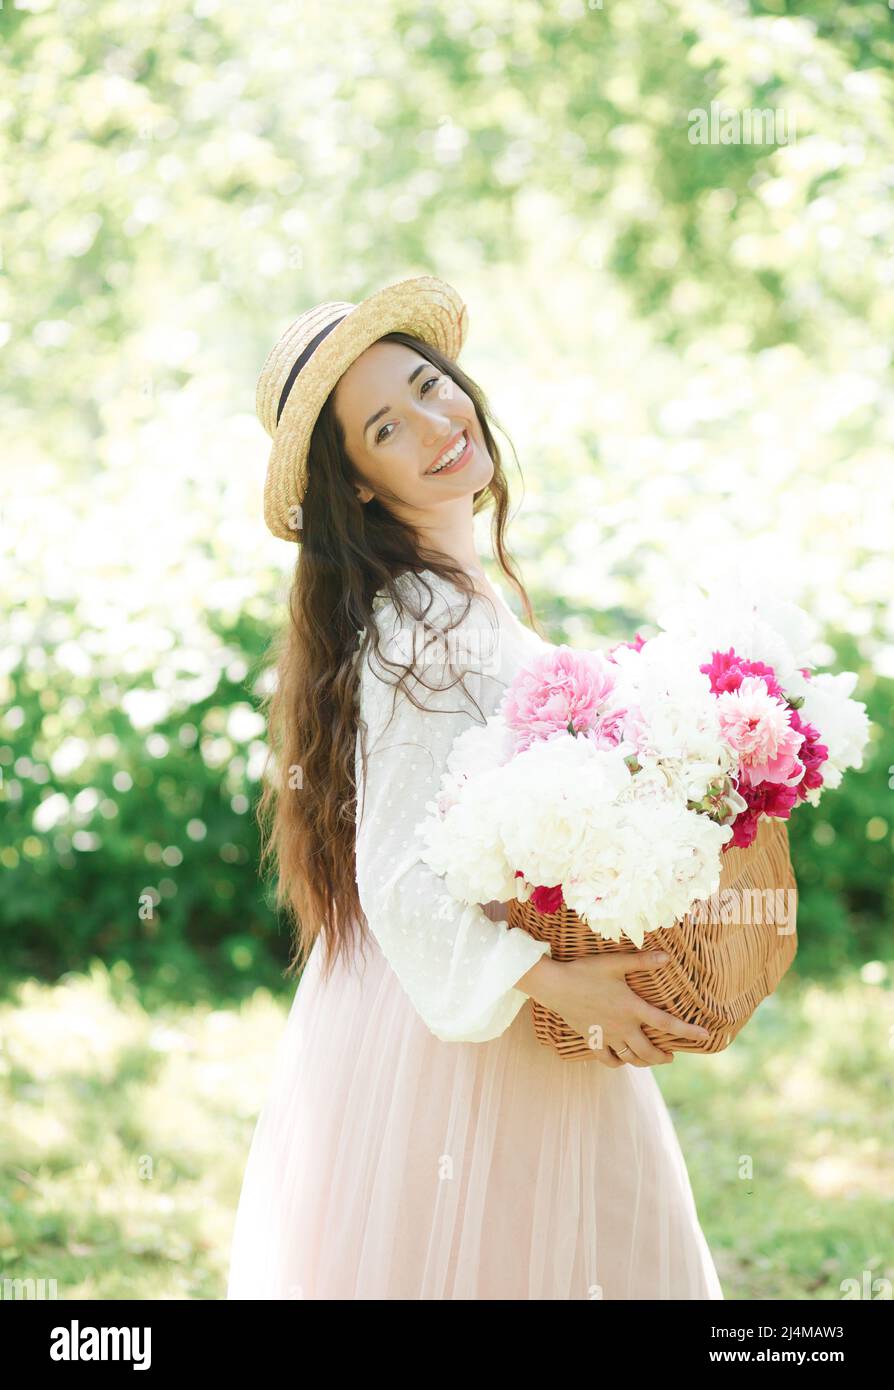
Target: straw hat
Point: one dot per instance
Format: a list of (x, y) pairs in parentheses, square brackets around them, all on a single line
[(314, 352)]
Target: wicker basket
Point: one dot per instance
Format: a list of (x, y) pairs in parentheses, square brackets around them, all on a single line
[(717, 973)]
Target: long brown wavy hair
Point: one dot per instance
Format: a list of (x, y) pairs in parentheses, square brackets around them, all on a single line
[(349, 552)]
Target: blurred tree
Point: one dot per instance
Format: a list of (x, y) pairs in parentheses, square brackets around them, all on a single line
[(691, 341)]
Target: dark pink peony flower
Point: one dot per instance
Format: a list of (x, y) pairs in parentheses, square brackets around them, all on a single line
[(772, 799), (548, 900), (812, 754), (545, 900), (727, 671)]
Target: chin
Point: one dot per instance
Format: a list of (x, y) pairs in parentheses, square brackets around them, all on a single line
[(480, 480), (480, 469)]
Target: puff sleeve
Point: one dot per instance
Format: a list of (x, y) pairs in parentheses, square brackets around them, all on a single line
[(457, 965)]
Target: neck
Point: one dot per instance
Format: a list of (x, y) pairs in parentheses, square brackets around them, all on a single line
[(453, 536)]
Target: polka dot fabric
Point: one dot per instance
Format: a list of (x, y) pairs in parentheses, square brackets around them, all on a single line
[(456, 963)]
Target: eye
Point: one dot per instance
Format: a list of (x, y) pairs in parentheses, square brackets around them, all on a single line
[(429, 381)]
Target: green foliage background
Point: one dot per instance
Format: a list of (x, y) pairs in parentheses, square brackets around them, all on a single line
[(685, 342)]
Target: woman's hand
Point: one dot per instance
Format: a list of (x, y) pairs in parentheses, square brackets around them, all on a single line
[(593, 997)]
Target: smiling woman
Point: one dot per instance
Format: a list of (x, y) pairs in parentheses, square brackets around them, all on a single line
[(417, 1141), (371, 510), (430, 430)]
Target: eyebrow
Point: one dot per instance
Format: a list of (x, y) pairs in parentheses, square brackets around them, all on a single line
[(385, 408)]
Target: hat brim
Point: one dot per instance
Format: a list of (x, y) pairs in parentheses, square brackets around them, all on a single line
[(424, 306)]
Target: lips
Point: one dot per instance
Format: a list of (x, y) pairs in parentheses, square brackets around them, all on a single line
[(447, 447)]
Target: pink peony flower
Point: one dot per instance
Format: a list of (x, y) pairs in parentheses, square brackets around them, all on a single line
[(637, 646), (760, 730), (561, 690), (772, 786), (635, 728), (610, 729)]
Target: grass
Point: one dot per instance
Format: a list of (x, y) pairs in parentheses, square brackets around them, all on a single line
[(789, 1140), (126, 1134)]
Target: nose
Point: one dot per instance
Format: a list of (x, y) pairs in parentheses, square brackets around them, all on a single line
[(436, 425)]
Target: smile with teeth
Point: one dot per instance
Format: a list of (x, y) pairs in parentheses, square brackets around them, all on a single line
[(452, 455)]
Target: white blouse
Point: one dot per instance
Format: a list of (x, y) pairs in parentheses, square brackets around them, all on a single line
[(456, 963)]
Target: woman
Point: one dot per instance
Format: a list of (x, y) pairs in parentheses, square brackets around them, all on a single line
[(417, 1141)]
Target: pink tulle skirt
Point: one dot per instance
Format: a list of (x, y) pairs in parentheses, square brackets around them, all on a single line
[(387, 1164)]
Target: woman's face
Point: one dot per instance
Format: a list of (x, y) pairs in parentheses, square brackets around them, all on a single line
[(401, 416)]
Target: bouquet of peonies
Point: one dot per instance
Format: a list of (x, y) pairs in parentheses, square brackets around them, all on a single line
[(612, 784)]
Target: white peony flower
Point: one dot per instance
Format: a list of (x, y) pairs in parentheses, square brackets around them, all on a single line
[(646, 870), (481, 747), (675, 720), (842, 722), (741, 611), (463, 844), (554, 787)]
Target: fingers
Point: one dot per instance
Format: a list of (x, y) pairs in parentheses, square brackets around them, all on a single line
[(625, 961), (650, 1013), (660, 1018), (624, 1052), (643, 1053), (606, 1057), (604, 1054)]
